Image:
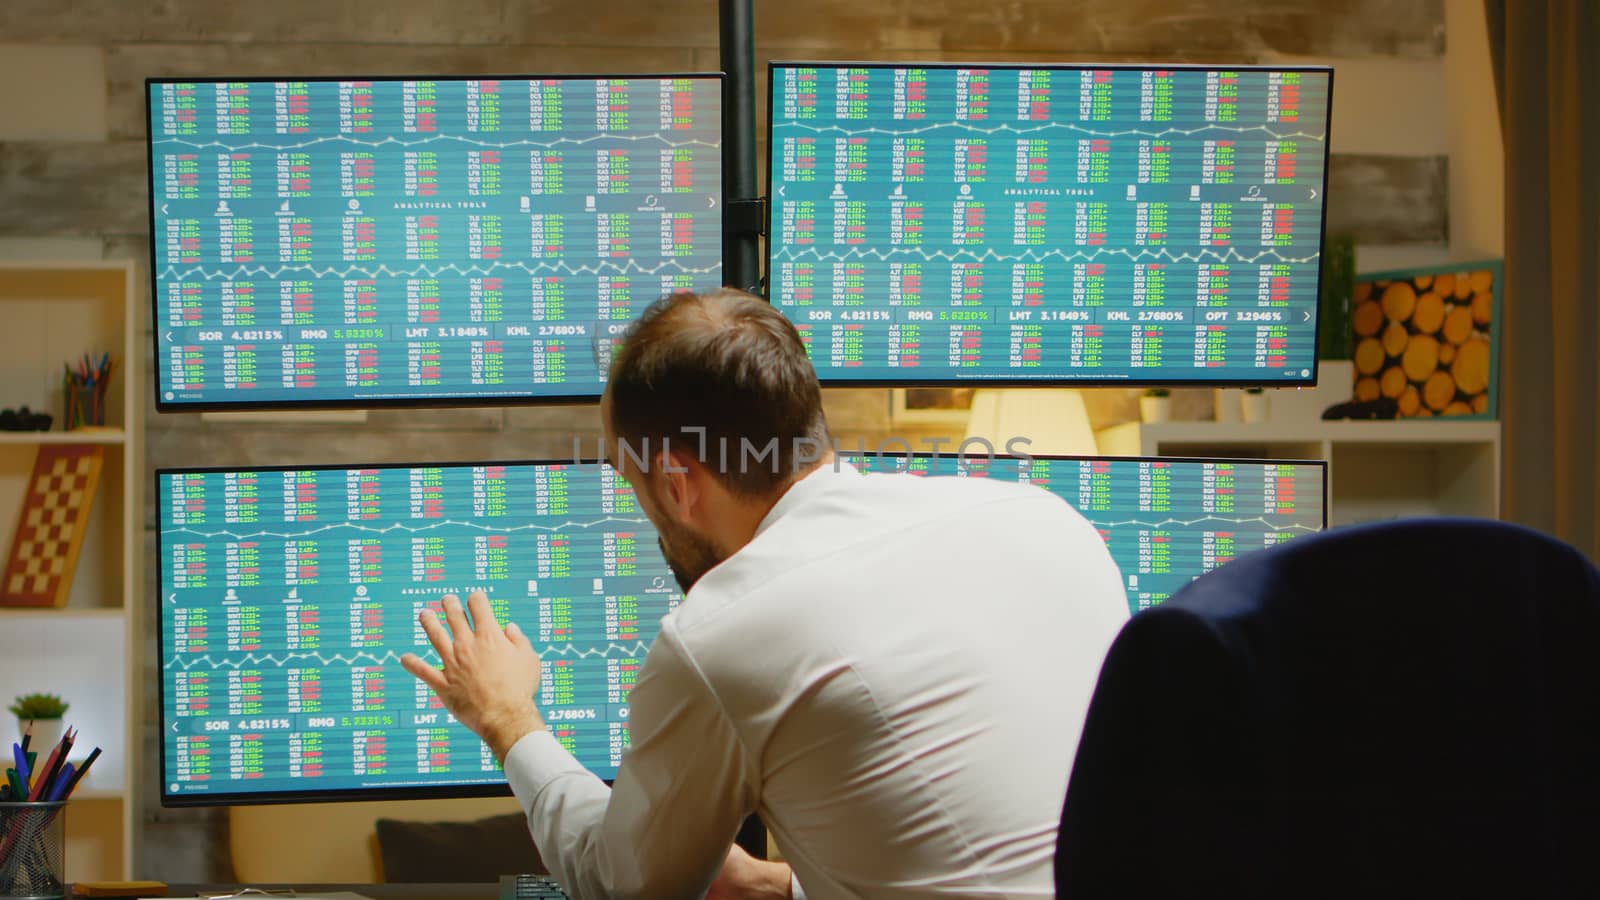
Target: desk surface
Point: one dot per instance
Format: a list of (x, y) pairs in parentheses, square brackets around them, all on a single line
[(455, 891)]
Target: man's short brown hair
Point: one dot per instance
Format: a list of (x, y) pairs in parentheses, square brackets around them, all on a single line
[(729, 363)]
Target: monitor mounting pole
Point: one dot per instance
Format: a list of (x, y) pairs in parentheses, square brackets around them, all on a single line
[(743, 213)]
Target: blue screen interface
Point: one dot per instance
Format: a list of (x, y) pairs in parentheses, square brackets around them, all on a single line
[(289, 596), (942, 224), (1165, 521), (384, 241)]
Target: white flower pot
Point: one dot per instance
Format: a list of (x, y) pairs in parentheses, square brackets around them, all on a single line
[(1225, 404), (1253, 407), (46, 734), (1153, 410)]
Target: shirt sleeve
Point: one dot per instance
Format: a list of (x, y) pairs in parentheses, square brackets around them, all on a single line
[(664, 828)]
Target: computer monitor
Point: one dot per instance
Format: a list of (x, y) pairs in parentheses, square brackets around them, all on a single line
[(369, 241), (288, 596), (1166, 520), (938, 224)]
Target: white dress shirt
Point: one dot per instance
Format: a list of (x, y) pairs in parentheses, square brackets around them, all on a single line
[(894, 672)]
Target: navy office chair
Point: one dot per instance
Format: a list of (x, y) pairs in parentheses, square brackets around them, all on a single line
[(1403, 709)]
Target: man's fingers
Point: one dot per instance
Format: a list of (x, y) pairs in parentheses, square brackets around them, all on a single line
[(457, 619), (517, 637), (430, 676), (482, 614), (438, 638)]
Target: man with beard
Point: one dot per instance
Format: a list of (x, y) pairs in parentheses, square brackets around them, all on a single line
[(892, 670)]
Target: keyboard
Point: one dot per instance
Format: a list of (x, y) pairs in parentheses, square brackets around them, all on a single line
[(530, 887)]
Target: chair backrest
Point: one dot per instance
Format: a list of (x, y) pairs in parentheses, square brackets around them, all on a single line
[(1410, 708)]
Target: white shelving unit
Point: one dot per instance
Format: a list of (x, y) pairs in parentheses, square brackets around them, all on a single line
[(109, 436), (86, 651), (1377, 469)]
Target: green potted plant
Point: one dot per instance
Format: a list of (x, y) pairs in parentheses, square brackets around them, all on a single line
[(1155, 406), (45, 711), (1253, 406)]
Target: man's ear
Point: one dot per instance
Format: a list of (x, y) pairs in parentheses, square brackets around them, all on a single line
[(680, 473)]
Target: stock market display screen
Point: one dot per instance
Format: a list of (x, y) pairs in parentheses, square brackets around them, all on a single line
[(289, 596), (377, 241), (939, 224), (1166, 521)]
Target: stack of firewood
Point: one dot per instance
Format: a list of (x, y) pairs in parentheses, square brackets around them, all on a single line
[(1424, 342)]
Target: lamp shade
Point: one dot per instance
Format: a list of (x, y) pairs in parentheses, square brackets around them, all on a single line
[(1051, 420)]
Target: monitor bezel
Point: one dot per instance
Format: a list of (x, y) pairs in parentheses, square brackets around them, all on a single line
[(500, 788), (1099, 381), (462, 402)]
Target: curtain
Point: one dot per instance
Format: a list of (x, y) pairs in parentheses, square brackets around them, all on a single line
[(1546, 54)]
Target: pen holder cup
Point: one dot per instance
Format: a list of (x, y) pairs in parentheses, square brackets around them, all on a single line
[(33, 853), (86, 407)]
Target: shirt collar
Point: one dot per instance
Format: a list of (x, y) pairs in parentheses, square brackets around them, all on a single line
[(813, 484)]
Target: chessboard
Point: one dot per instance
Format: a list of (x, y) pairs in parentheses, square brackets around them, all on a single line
[(51, 525)]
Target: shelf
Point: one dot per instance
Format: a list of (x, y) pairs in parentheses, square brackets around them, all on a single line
[(97, 436), (91, 650), (95, 794), (1378, 469), (1412, 431), (63, 612)]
